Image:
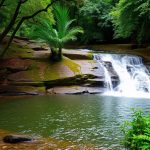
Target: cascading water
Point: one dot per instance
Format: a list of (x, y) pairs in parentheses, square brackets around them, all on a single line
[(108, 82), (133, 76)]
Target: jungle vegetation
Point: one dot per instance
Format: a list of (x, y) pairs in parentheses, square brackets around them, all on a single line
[(56, 35), (137, 131), (103, 21)]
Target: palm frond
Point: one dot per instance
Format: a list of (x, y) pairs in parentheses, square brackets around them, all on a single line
[(57, 35), (62, 18), (71, 34)]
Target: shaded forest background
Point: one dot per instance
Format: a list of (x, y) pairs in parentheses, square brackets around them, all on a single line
[(103, 21)]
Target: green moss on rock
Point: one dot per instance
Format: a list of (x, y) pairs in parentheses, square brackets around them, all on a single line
[(17, 51)]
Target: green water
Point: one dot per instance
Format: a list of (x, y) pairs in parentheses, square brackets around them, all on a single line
[(85, 119)]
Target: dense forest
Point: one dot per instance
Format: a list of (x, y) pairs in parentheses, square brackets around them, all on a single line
[(101, 20)]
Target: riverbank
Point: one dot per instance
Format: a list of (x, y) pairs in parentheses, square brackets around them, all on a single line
[(44, 144)]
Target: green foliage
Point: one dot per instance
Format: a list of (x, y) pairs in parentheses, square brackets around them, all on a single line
[(6, 13), (56, 35), (27, 8), (132, 19), (94, 18), (137, 132), (100, 19), (30, 7)]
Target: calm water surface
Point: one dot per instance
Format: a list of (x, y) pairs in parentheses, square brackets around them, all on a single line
[(85, 119)]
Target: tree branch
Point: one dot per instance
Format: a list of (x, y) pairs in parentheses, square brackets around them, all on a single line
[(12, 21), (22, 20), (39, 11)]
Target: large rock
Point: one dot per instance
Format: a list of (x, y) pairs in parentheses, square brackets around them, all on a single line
[(16, 139), (77, 55)]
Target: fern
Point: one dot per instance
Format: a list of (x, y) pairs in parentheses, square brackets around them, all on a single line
[(137, 132)]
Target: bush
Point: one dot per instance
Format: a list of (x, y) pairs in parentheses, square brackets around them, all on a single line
[(137, 132)]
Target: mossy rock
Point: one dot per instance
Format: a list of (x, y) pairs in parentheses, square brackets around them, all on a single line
[(15, 51), (79, 79), (61, 69), (39, 71), (6, 90)]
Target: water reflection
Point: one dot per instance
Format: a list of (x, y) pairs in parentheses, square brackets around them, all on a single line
[(86, 119)]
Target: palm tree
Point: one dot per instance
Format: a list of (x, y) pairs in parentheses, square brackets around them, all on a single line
[(58, 34)]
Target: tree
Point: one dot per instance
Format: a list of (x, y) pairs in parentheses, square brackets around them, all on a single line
[(21, 21), (60, 33), (94, 18), (12, 21), (21, 8), (132, 19)]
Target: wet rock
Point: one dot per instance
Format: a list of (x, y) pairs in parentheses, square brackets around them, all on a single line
[(77, 55), (39, 49), (96, 82), (19, 77), (16, 139), (75, 90), (95, 68), (14, 65), (11, 90), (95, 90)]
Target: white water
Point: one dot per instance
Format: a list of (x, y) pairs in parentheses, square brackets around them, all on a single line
[(108, 83), (134, 77)]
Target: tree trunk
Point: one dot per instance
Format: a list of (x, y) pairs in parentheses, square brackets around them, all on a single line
[(56, 55), (11, 38), (11, 23), (60, 54)]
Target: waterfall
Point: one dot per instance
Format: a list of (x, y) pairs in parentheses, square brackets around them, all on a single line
[(133, 76), (107, 77)]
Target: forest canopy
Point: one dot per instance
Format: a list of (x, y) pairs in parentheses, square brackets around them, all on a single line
[(101, 20)]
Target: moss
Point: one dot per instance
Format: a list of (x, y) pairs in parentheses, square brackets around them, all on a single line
[(61, 69), (33, 72), (50, 71), (42, 89), (17, 51), (34, 84), (32, 88), (90, 55), (75, 80), (72, 65)]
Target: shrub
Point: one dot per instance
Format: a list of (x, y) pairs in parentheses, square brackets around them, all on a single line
[(137, 131)]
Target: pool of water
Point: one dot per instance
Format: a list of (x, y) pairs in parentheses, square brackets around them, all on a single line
[(91, 119)]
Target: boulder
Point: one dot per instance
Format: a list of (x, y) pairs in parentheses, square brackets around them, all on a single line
[(16, 139)]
